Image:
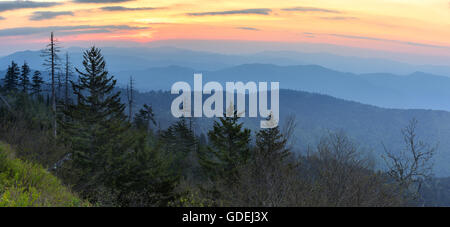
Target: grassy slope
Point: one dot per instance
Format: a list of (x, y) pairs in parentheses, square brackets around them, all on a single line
[(27, 184)]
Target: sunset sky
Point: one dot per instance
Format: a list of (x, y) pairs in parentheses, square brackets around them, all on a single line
[(408, 26)]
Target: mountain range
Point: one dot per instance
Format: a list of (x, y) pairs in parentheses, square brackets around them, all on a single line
[(139, 58), (370, 127), (414, 91), (371, 107), (158, 68)]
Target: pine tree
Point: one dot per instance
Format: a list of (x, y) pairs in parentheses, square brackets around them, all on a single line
[(11, 80), (24, 80), (96, 126), (145, 178), (144, 117), (37, 82), (229, 149), (267, 178), (271, 144), (180, 142)]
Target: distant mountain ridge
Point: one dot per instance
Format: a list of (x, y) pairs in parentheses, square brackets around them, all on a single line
[(369, 126), (139, 58), (158, 68), (415, 91)]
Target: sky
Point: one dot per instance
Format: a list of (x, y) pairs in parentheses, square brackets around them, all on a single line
[(415, 27)]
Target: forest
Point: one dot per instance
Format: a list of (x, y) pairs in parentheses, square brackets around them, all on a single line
[(81, 128)]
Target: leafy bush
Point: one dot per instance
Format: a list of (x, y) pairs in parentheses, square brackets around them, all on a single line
[(24, 184)]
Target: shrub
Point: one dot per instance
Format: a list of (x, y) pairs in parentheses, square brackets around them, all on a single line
[(24, 184)]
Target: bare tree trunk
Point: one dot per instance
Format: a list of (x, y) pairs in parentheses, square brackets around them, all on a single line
[(66, 82), (130, 97), (52, 53)]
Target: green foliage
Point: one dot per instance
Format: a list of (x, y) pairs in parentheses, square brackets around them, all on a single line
[(268, 177), (24, 80), (229, 149), (180, 143), (144, 117), (144, 178), (37, 82), (30, 117), (192, 199), (272, 144), (11, 79), (111, 161), (25, 184), (95, 127)]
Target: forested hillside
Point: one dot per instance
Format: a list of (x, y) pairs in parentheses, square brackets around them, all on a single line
[(316, 115), (81, 130)]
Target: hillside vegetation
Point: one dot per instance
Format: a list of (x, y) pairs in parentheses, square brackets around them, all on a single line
[(85, 134), (372, 127), (24, 184)]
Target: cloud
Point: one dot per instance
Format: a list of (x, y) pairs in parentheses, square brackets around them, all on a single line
[(121, 8), (376, 39), (358, 37), (80, 32), (14, 5), (388, 40), (2, 18), (248, 28), (232, 12), (101, 1), (309, 34), (80, 29), (339, 18), (310, 9), (44, 15)]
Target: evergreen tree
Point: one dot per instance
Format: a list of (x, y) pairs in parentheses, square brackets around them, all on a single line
[(180, 142), (11, 80), (271, 144), (144, 117), (96, 126), (229, 149), (37, 82), (267, 178), (145, 177), (24, 80)]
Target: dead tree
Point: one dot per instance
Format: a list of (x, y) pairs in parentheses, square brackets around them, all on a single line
[(130, 97), (68, 71), (412, 165), (51, 62)]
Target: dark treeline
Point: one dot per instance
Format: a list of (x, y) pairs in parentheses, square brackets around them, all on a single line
[(110, 158)]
